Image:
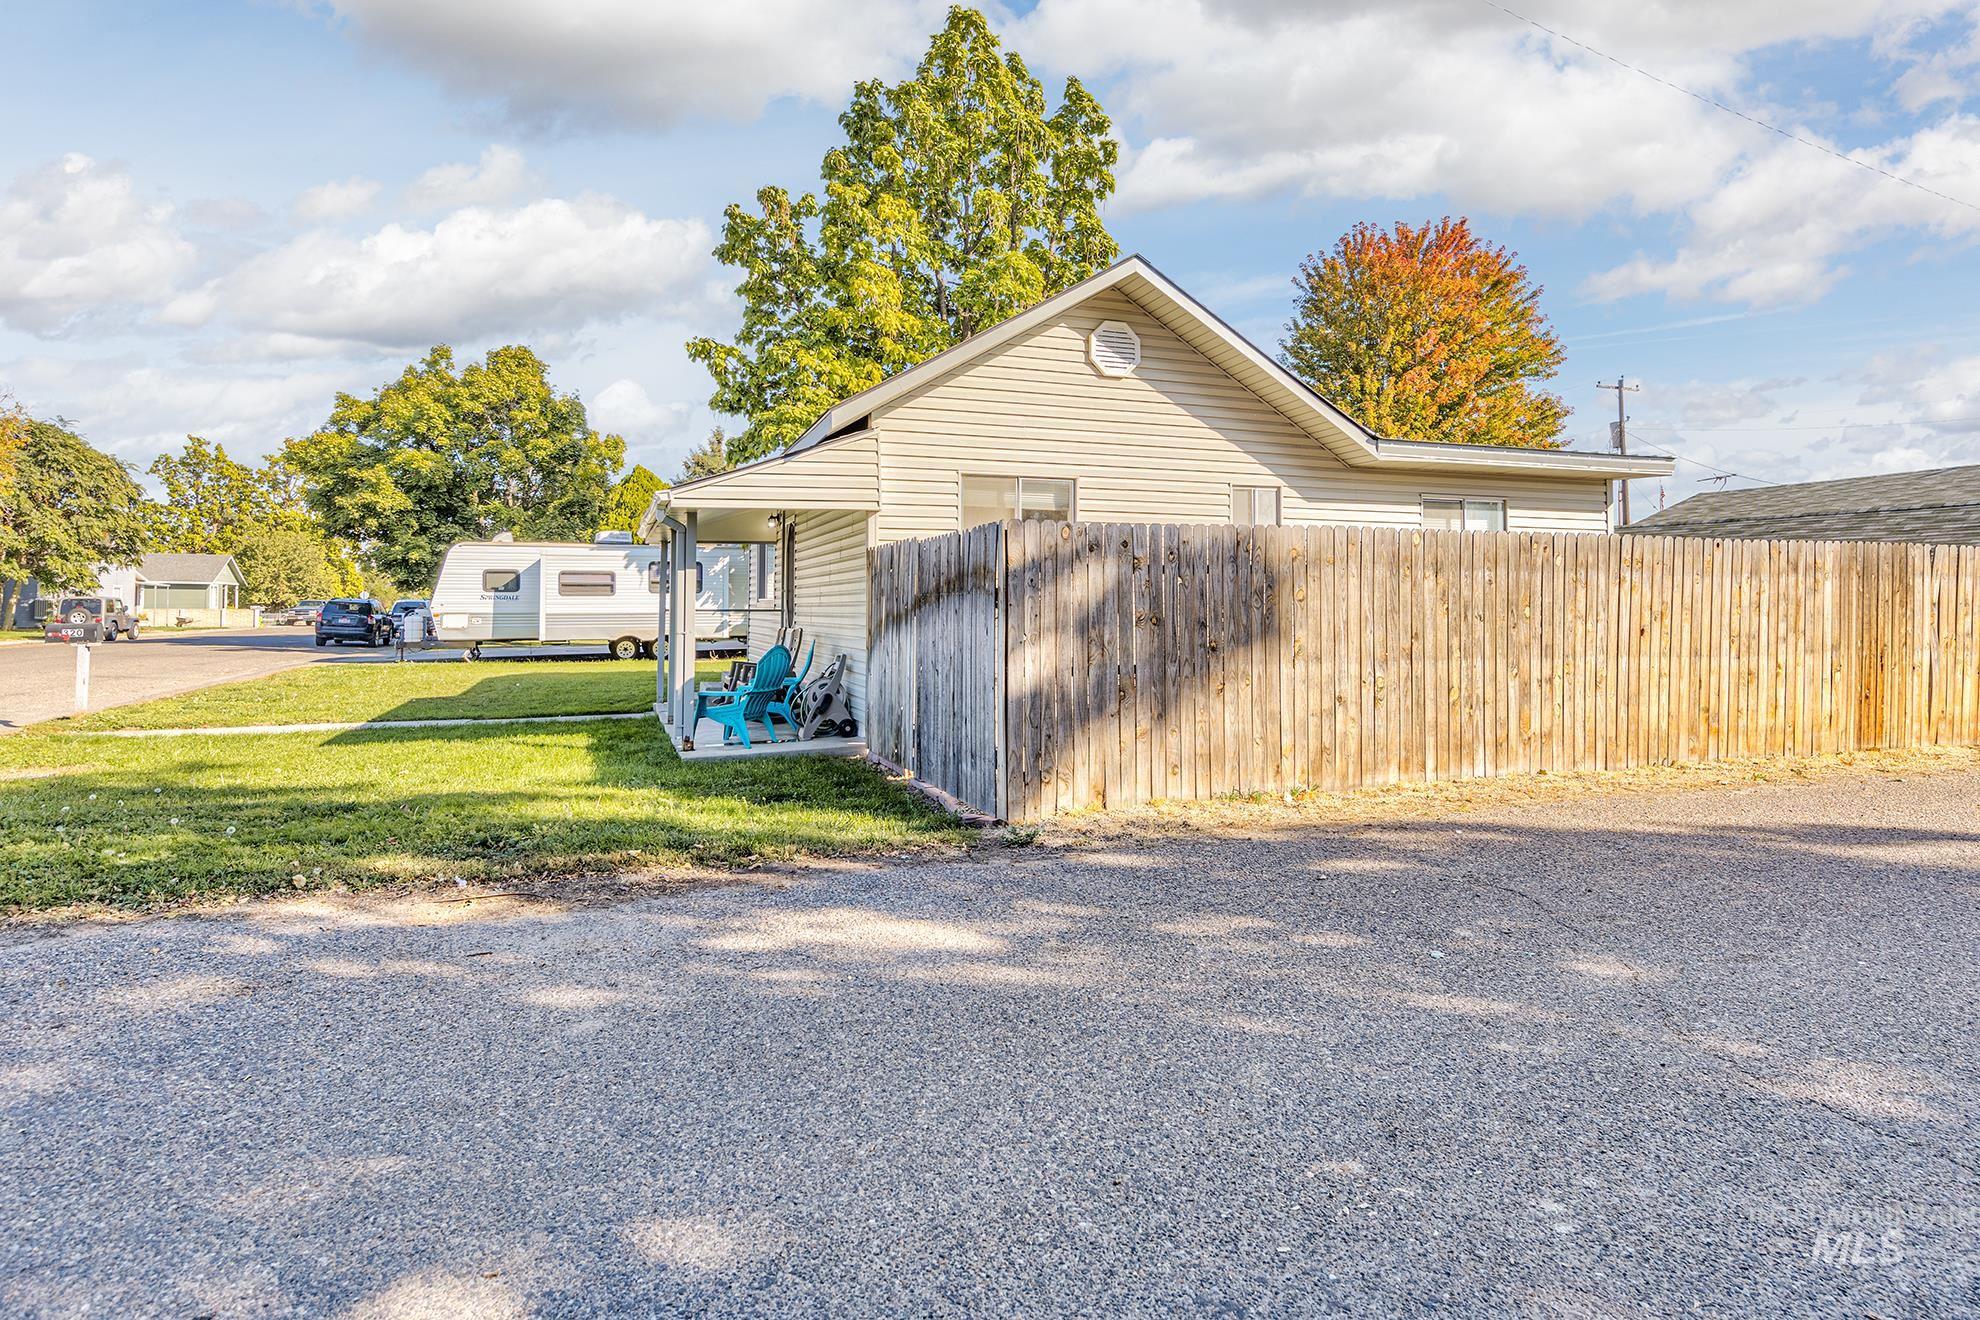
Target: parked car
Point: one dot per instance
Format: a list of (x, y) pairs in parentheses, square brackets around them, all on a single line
[(79, 612), (303, 611), (353, 621), (408, 605)]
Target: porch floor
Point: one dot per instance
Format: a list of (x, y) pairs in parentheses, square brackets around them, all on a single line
[(708, 744)]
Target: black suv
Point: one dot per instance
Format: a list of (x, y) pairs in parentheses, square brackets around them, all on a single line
[(74, 616), (353, 621)]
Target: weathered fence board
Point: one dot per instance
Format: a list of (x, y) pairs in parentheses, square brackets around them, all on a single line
[(1038, 667)]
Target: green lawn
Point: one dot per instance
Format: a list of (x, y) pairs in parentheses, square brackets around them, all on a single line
[(418, 690), (92, 819)]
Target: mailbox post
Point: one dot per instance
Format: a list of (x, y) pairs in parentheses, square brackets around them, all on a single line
[(80, 636)]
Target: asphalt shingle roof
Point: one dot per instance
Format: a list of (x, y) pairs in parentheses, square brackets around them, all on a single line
[(199, 569), (1941, 505)]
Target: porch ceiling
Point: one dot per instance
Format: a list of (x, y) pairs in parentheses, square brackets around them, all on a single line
[(715, 526)]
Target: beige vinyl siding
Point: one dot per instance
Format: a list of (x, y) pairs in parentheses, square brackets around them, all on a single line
[(839, 474), (1164, 444), (828, 595)]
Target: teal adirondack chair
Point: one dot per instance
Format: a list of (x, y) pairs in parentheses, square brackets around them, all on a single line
[(734, 710)]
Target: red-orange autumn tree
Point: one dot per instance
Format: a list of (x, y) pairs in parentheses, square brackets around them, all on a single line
[(1425, 333)]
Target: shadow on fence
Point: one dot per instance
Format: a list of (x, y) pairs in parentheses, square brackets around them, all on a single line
[(1039, 667)]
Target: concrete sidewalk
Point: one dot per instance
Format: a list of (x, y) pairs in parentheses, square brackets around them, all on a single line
[(1634, 1054)]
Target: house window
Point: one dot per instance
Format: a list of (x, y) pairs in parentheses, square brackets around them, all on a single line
[(763, 572), (1450, 514), (501, 581), (1255, 506), (573, 583), (996, 499)]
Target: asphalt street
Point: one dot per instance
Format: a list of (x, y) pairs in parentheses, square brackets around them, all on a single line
[(1637, 1054)]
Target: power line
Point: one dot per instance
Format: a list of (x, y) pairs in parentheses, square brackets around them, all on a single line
[(1721, 105), (1707, 466)]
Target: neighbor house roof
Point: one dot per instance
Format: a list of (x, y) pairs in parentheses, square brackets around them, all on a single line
[(187, 570), (1244, 361), (1942, 504)]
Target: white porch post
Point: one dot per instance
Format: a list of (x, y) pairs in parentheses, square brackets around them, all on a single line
[(680, 644)]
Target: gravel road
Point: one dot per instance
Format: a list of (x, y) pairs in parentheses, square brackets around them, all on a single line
[(1634, 1054)]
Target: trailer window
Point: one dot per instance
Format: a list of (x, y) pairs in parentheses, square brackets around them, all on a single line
[(586, 584), (500, 580)]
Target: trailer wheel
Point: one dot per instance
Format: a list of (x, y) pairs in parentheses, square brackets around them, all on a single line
[(626, 648)]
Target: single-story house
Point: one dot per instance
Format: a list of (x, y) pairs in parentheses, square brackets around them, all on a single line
[(1121, 399), (1940, 505), (162, 587)]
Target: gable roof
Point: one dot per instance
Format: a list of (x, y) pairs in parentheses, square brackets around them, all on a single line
[(187, 570), (1208, 334), (1940, 504)]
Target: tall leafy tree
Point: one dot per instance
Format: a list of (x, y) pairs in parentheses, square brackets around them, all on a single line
[(630, 496), (443, 455), (1426, 333), (957, 199), (708, 457), (215, 504), (67, 511), (287, 562), (212, 500)]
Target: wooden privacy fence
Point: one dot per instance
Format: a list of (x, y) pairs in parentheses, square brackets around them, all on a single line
[(1040, 667)]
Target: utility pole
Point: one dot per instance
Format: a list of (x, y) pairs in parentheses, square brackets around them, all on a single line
[(1619, 433)]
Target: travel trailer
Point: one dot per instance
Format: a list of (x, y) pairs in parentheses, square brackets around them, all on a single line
[(524, 593)]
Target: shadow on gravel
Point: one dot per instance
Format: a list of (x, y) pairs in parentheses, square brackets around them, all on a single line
[(1513, 1067)]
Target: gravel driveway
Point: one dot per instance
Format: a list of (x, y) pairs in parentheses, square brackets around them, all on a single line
[(1634, 1054)]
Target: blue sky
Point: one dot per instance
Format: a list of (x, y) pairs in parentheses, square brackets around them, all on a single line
[(213, 215)]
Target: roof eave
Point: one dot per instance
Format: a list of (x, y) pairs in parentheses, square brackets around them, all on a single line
[(1508, 458)]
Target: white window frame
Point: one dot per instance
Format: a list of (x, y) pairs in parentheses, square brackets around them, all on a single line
[(1464, 503), (1251, 491), (1072, 495)]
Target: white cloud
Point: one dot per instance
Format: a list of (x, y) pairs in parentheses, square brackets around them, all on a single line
[(135, 410), (1777, 232), (624, 407), (1408, 99), (477, 273), (498, 176), (337, 200), (645, 61), (76, 241)]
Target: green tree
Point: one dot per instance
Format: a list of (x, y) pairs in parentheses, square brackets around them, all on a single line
[(285, 563), (708, 457), (440, 455), (955, 201), (212, 502), (630, 496), (1425, 333), (67, 511)]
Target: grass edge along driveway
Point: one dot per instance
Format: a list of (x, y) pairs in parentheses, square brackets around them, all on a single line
[(419, 690), (99, 820)]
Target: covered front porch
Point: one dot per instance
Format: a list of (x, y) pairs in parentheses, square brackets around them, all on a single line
[(820, 614)]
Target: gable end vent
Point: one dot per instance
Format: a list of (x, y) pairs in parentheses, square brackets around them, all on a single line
[(1113, 348)]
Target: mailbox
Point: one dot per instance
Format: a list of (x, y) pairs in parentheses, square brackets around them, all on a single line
[(87, 633)]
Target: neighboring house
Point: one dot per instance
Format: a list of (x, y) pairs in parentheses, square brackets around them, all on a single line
[(1121, 399), (162, 587), (1940, 505), (30, 604)]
